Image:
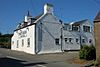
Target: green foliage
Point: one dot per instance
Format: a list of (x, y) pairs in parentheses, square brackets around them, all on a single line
[(5, 40), (0, 33), (87, 52), (5, 45)]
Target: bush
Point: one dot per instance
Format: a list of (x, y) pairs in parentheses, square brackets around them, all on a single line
[(87, 52)]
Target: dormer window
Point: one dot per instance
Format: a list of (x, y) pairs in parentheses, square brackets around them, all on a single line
[(75, 28), (65, 27), (86, 28)]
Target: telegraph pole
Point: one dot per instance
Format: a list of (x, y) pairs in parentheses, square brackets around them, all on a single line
[(80, 37), (61, 36)]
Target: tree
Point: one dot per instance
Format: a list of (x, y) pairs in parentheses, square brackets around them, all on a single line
[(0, 33)]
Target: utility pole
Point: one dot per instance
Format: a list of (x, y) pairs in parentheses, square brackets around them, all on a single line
[(61, 36), (80, 37)]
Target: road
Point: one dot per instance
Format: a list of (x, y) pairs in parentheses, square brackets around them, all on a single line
[(10, 58)]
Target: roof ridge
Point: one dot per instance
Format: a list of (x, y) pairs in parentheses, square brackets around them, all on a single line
[(38, 16)]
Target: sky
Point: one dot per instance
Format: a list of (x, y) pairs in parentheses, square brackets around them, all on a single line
[(12, 12)]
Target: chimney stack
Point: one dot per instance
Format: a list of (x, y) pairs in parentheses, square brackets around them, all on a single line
[(48, 8)]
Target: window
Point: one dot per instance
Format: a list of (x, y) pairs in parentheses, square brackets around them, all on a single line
[(66, 39), (86, 28), (90, 40), (17, 43), (22, 42), (77, 40), (65, 27), (28, 42), (57, 41), (75, 28), (83, 40), (70, 40)]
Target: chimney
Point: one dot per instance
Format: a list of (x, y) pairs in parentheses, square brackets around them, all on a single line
[(48, 8), (27, 17)]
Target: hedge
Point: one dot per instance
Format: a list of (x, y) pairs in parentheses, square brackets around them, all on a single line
[(87, 52)]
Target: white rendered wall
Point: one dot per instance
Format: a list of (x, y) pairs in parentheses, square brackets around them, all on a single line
[(77, 34), (88, 35), (30, 34), (51, 28), (71, 45)]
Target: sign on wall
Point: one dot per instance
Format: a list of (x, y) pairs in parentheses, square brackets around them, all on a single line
[(22, 33)]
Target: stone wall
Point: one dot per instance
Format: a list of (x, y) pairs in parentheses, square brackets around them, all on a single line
[(97, 39)]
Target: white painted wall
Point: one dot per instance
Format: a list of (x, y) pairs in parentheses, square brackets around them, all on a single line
[(71, 45), (77, 34), (88, 35), (30, 34), (51, 28)]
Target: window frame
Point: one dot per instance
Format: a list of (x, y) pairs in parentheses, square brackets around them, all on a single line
[(70, 40), (77, 40), (22, 42), (75, 28), (57, 41), (86, 28), (28, 42), (66, 40), (90, 41), (17, 44), (83, 40)]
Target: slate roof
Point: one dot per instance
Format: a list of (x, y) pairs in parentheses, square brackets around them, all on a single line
[(79, 22), (32, 19), (37, 17), (97, 18)]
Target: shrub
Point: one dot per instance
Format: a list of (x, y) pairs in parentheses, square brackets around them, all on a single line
[(87, 52)]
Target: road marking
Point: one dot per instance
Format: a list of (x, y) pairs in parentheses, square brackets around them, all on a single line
[(13, 57), (41, 65)]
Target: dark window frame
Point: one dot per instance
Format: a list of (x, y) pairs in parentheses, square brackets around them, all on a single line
[(57, 41), (86, 28), (66, 40), (70, 40), (83, 40), (90, 40), (28, 42), (77, 40)]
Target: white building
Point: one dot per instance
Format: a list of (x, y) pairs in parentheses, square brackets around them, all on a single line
[(47, 34), (77, 34)]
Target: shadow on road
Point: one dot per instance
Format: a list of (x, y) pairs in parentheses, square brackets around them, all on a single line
[(9, 62)]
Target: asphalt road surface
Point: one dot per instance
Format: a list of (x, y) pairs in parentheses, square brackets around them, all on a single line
[(9, 58)]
